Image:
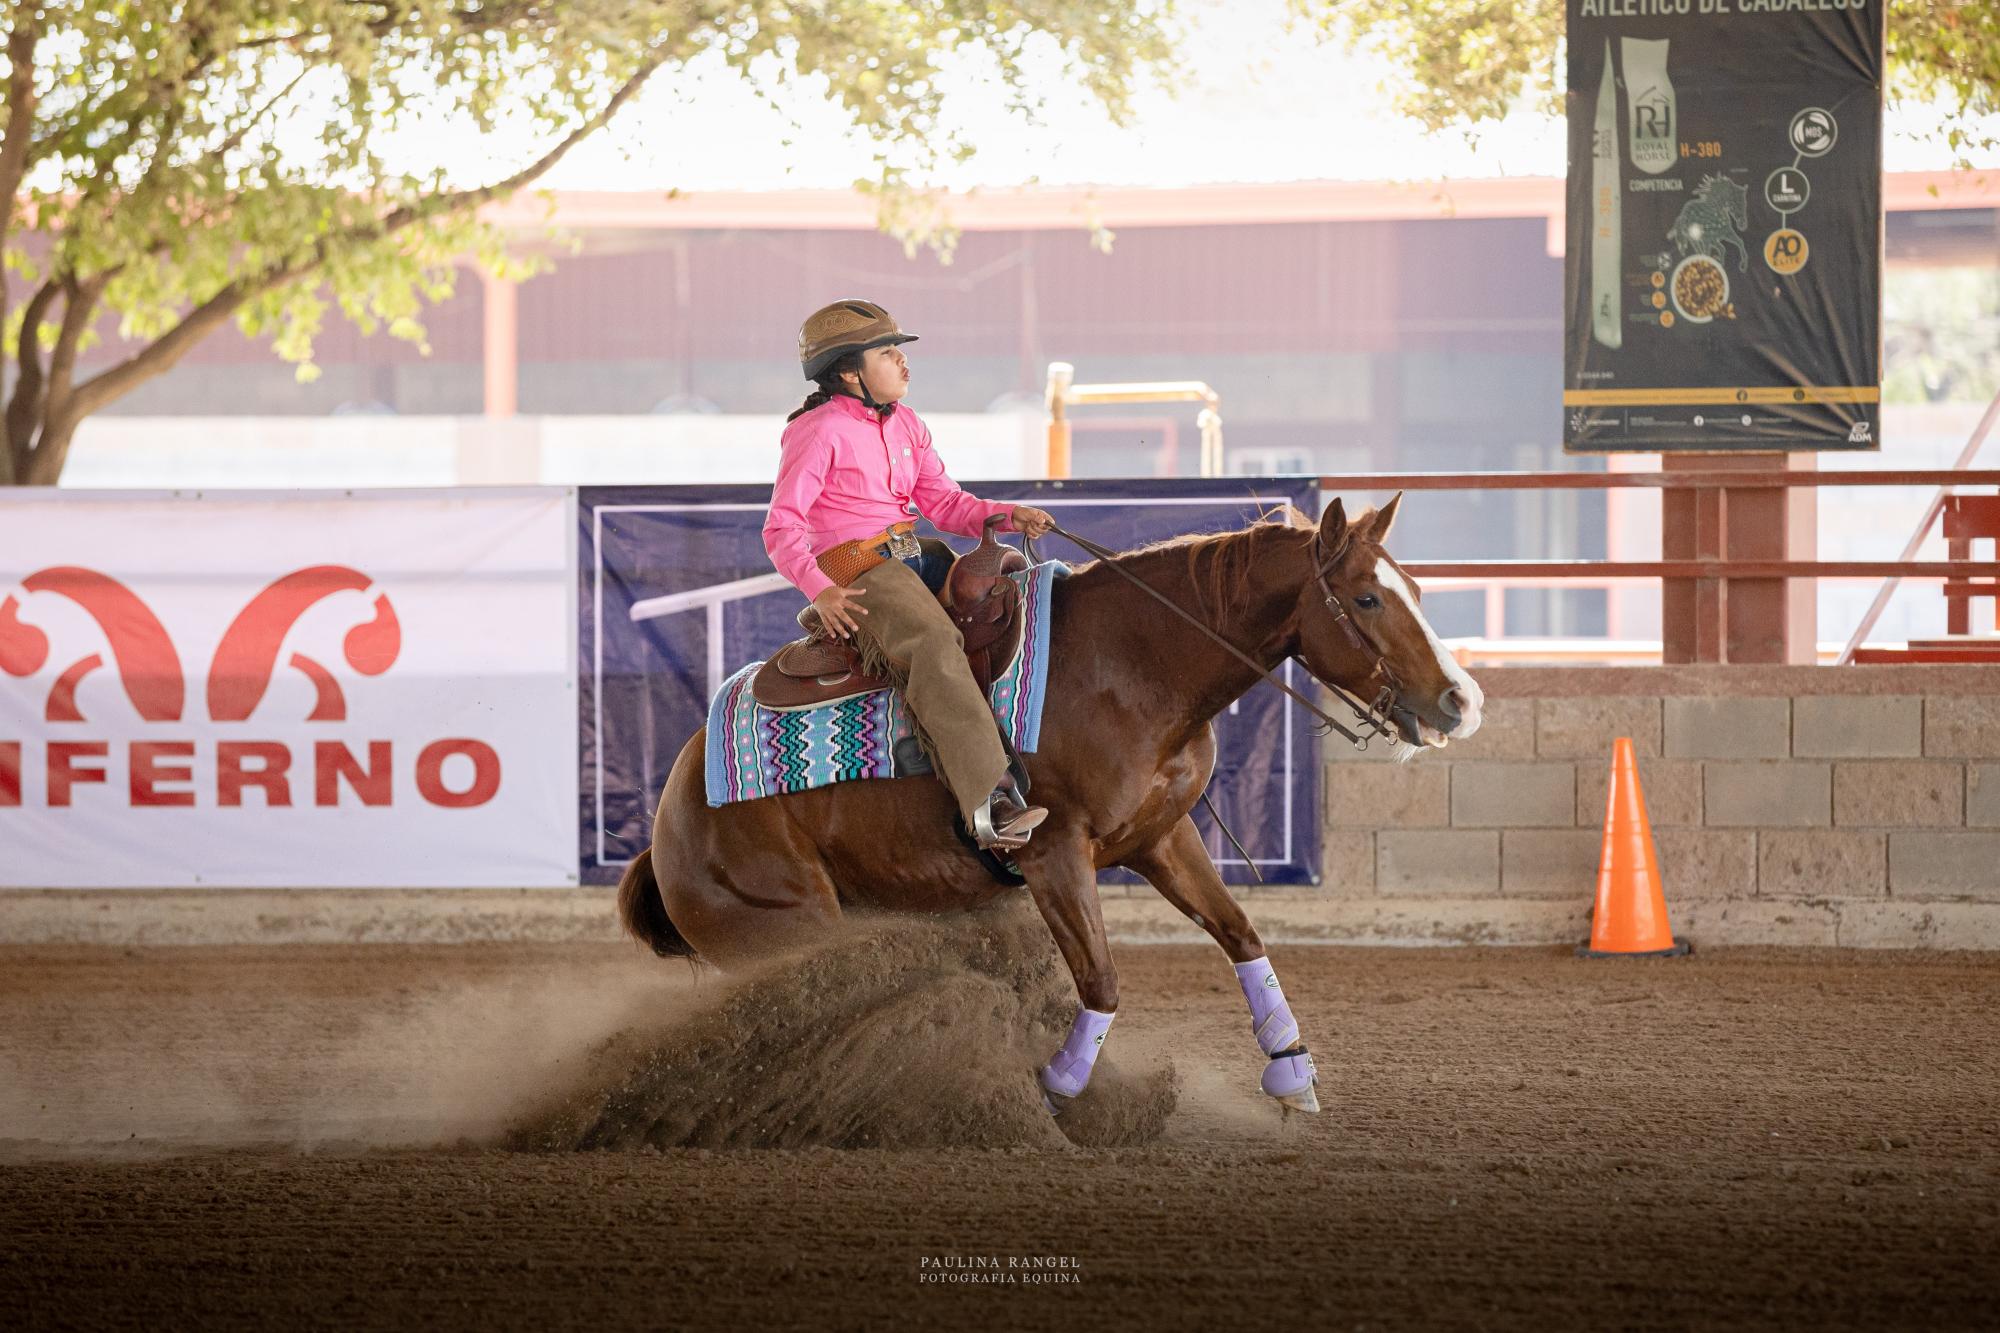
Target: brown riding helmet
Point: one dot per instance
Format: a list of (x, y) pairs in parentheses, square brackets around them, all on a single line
[(845, 326)]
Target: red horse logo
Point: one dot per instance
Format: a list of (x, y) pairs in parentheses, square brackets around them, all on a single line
[(244, 661), (148, 666), (248, 654)]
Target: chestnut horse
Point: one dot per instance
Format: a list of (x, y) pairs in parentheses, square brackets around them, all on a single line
[(1126, 750)]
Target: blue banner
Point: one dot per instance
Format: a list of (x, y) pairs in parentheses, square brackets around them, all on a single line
[(677, 593)]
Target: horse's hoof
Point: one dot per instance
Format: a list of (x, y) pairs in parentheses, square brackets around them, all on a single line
[(1055, 1102)]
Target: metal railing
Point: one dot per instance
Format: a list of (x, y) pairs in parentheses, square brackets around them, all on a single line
[(1495, 576), (1063, 393), (1966, 457)]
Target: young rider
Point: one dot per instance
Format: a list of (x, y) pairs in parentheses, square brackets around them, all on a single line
[(858, 468)]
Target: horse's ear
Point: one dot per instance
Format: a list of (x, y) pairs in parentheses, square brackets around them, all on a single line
[(1382, 520), (1333, 528)]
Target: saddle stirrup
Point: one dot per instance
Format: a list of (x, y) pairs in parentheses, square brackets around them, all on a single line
[(1011, 828)]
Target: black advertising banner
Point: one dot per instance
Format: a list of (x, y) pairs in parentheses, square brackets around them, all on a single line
[(1723, 278)]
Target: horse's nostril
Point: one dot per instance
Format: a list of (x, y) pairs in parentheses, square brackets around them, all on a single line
[(1452, 705)]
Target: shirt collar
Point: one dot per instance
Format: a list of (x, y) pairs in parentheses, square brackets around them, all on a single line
[(857, 409)]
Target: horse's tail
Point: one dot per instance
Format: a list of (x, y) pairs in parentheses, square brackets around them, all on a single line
[(644, 912)]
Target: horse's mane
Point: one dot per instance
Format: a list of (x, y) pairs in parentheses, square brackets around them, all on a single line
[(1277, 516), (1219, 565)]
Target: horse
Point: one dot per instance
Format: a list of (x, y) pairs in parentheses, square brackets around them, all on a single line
[(1126, 749), (1709, 222)]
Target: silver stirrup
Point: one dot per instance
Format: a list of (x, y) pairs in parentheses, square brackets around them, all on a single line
[(990, 837)]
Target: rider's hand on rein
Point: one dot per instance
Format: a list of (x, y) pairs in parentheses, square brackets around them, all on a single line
[(1032, 522)]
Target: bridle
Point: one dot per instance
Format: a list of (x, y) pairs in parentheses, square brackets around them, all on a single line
[(1374, 716)]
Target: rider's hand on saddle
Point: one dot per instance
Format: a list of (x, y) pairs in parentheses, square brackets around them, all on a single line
[(837, 607), (1032, 521)]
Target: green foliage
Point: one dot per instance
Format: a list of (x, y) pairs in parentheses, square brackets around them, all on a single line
[(1456, 62), (188, 164), (1461, 62)]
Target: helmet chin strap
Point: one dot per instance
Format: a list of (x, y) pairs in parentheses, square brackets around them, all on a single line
[(867, 398)]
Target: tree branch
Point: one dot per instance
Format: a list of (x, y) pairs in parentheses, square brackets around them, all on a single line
[(461, 200), (236, 137), (25, 406), (60, 417), (14, 156), (79, 308), (165, 352), (483, 19)]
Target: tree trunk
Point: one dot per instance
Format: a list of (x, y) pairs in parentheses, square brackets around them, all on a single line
[(45, 465), (44, 412)]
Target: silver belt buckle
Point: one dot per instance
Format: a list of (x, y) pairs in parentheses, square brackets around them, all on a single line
[(903, 546)]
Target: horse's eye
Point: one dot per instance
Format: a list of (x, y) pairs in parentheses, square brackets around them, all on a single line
[(1368, 601)]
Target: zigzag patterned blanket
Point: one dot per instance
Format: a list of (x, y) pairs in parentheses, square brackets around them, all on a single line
[(755, 751)]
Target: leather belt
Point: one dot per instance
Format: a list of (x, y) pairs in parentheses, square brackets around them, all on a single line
[(850, 560)]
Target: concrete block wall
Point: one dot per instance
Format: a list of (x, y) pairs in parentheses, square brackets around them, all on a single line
[(1789, 805)]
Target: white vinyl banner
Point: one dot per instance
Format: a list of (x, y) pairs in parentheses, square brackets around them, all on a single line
[(295, 690)]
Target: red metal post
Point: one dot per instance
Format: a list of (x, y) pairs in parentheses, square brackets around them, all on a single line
[(1739, 619), (1957, 608)]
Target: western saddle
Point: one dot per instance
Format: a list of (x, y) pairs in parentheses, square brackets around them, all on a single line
[(975, 592)]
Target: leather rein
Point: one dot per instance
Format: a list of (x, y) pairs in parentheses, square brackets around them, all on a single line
[(1374, 717)]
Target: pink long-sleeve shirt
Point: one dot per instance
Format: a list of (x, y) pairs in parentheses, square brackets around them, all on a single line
[(847, 474)]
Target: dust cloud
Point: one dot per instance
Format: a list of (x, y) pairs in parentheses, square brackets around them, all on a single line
[(915, 1034), (893, 1034)]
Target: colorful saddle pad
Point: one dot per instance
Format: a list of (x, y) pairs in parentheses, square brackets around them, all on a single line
[(755, 751)]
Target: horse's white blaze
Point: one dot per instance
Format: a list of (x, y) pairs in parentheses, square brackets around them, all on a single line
[(1388, 577)]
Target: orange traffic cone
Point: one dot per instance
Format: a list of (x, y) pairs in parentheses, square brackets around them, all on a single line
[(1630, 919)]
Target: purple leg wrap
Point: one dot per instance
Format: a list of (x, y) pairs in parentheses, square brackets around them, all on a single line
[(1271, 1019), (1068, 1070)]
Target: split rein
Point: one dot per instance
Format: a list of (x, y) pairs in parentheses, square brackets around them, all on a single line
[(1374, 718)]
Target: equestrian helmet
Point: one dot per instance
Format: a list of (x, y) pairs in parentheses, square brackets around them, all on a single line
[(845, 326)]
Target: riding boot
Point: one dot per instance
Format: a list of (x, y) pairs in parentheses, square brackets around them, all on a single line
[(926, 654)]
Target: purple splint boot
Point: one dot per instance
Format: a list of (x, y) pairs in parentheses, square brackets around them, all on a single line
[(1068, 1070), (1270, 1017), (1290, 1075)]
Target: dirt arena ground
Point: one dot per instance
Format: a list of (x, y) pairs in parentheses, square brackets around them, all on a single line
[(503, 1136)]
